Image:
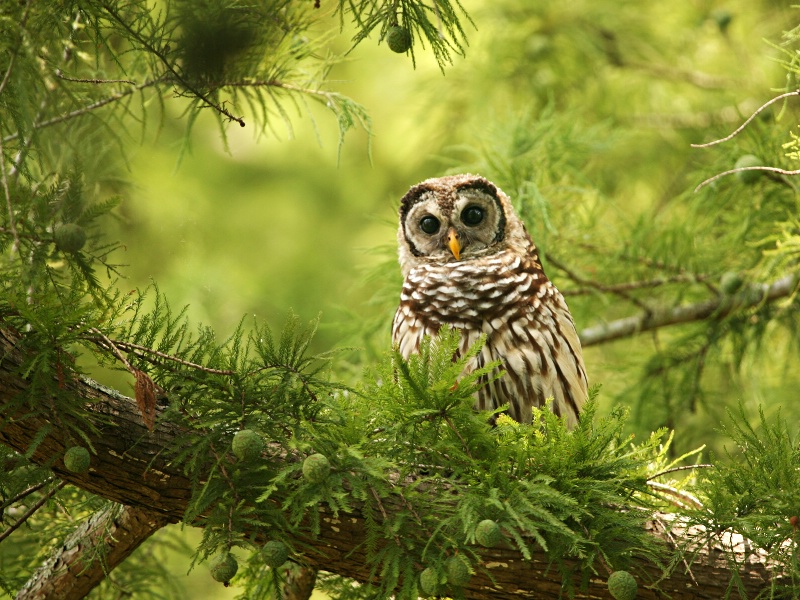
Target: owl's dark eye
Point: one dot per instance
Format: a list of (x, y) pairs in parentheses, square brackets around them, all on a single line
[(429, 224), (472, 215)]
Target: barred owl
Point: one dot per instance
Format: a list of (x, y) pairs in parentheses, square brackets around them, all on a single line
[(469, 263)]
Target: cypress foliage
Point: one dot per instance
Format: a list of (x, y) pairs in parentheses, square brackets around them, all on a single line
[(400, 444)]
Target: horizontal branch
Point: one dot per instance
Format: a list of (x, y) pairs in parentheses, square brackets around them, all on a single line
[(718, 308), (130, 467)]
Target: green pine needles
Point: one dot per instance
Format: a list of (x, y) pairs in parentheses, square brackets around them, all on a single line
[(575, 495), (548, 489), (753, 496), (437, 25), (270, 444), (407, 452)]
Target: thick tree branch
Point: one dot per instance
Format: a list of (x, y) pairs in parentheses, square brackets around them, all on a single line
[(718, 308), (129, 468), (99, 545)]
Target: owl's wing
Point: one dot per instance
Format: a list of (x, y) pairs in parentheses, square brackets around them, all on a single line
[(542, 357), (572, 387)]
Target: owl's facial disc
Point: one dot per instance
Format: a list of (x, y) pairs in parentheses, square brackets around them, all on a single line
[(457, 226)]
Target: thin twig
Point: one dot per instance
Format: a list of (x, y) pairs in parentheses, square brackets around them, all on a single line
[(681, 468), (138, 349), (385, 516), (234, 490), (699, 364), (747, 122), (95, 105), (740, 169), (458, 433), (27, 236), (106, 341), (644, 260), (60, 75), (12, 225), (588, 282), (4, 176), (31, 510), (115, 345), (25, 146), (327, 96), (613, 288), (682, 497), (321, 94), (407, 504), (668, 533), (12, 60), (696, 78), (439, 25), (26, 492)]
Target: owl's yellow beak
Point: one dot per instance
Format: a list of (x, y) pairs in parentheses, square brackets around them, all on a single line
[(453, 243)]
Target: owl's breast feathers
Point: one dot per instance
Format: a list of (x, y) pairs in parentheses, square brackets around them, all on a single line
[(465, 294), (527, 325)]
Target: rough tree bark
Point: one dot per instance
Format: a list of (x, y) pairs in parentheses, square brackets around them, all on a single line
[(112, 533), (128, 469)]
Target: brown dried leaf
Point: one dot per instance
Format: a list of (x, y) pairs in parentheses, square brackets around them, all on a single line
[(146, 392)]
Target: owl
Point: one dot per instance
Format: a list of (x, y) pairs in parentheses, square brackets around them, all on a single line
[(469, 263)]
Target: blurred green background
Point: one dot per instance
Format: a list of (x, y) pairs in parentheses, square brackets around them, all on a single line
[(594, 103), (284, 221)]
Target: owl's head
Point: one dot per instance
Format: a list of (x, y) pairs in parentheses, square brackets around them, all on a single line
[(457, 218)]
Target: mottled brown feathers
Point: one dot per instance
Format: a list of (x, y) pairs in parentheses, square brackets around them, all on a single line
[(495, 287)]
